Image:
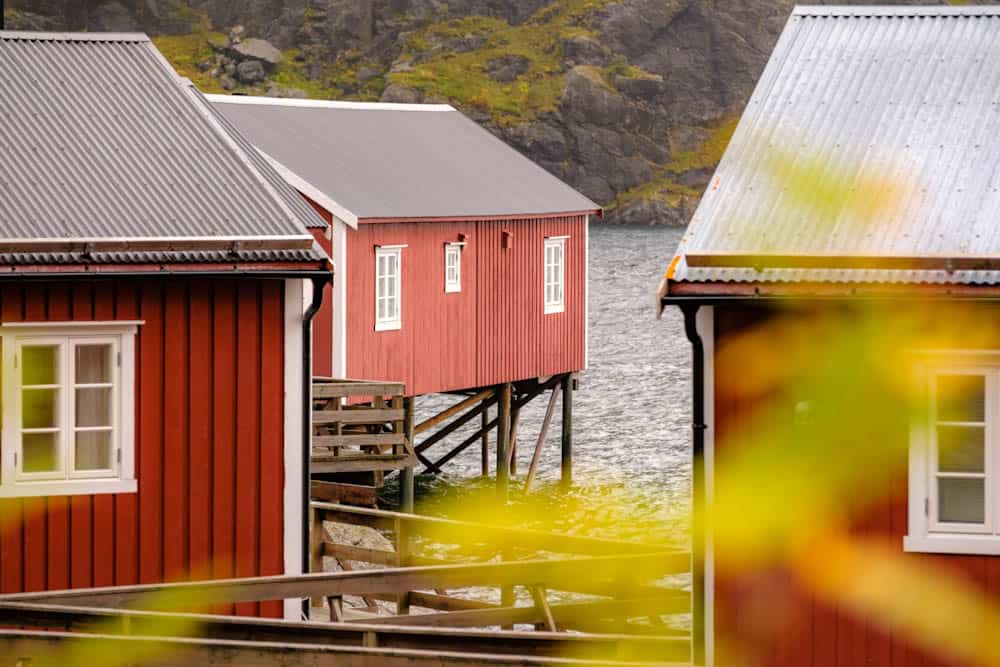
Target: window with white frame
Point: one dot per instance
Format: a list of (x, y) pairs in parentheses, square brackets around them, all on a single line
[(453, 267), (555, 274), (955, 459), (68, 392), (388, 287)]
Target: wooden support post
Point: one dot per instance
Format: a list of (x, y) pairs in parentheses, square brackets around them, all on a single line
[(515, 420), (336, 603), (406, 474), (316, 538), (567, 430), (403, 552), (503, 441), (539, 595), (485, 453), (542, 434)]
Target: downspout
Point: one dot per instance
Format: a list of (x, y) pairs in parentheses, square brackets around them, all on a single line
[(698, 427), (307, 317)]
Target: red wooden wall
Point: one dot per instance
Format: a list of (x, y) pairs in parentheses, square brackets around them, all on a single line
[(493, 331), (322, 325), (768, 618), (209, 449)]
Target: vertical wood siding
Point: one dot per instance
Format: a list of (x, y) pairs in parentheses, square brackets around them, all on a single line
[(493, 331), (209, 442), (808, 632), (322, 326)]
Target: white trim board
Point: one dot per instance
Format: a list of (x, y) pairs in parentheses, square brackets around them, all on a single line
[(324, 104), (705, 325), (295, 305), (340, 298), (309, 190)]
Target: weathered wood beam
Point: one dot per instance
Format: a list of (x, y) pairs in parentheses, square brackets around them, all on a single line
[(358, 439), (359, 462), (361, 554), (539, 596), (503, 442), (567, 431), (406, 481), (454, 425), (44, 650), (343, 389), (356, 416), (430, 423), (536, 457), (231, 628), (341, 492), (559, 574)]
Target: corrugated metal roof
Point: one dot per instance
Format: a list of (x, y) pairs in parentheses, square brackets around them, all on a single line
[(100, 139), (399, 161), (874, 132)]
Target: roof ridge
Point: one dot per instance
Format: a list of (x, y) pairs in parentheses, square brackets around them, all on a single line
[(895, 11), (325, 104), (36, 36)]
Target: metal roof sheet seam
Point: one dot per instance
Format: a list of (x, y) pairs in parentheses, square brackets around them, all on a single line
[(873, 131)]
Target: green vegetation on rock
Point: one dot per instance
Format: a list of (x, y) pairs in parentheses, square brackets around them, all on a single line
[(186, 52), (463, 77)]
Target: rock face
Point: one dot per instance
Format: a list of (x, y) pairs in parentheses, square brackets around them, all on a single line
[(629, 101)]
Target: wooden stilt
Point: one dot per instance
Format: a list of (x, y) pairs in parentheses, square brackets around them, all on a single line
[(542, 434), (406, 474), (316, 540), (515, 421), (485, 453), (567, 430), (503, 441), (403, 554)]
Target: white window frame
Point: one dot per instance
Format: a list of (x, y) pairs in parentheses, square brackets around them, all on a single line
[(393, 321), (453, 284), (120, 478), (926, 534), (554, 283)]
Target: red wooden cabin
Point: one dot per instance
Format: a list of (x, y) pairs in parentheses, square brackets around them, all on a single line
[(155, 275), (861, 179), (461, 264)]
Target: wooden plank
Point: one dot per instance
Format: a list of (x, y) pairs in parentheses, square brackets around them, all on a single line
[(356, 416), (219, 653), (324, 464), (353, 389), (539, 595), (540, 644), (561, 574), (406, 482), (356, 494), (357, 440), (523, 538), (361, 554), (428, 424), (453, 426)]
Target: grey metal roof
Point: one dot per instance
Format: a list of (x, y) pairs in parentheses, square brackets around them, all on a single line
[(399, 161), (101, 141), (873, 134)]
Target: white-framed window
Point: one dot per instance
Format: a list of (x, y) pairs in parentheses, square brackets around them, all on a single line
[(453, 267), (555, 274), (954, 498), (388, 287), (69, 397)]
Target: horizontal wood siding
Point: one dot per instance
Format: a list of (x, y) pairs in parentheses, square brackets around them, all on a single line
[(493, 331), (209, 449), (776, 622)]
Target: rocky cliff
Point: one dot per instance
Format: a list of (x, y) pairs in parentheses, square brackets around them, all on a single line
[(630, 101)]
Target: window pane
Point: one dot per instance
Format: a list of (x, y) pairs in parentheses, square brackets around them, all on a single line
[(93, 407), (961, 398), (40, 364), (381, 309), (93, 364), (40, 408), (39, 451), (93, 450), (960, 448), (961, 500)]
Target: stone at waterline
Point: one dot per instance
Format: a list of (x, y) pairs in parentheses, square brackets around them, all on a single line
[(251, 72)]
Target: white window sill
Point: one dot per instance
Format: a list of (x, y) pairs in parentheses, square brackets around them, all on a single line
[(388, 326), (552, 310), (452, 290), (75, 487), (957, 543)]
